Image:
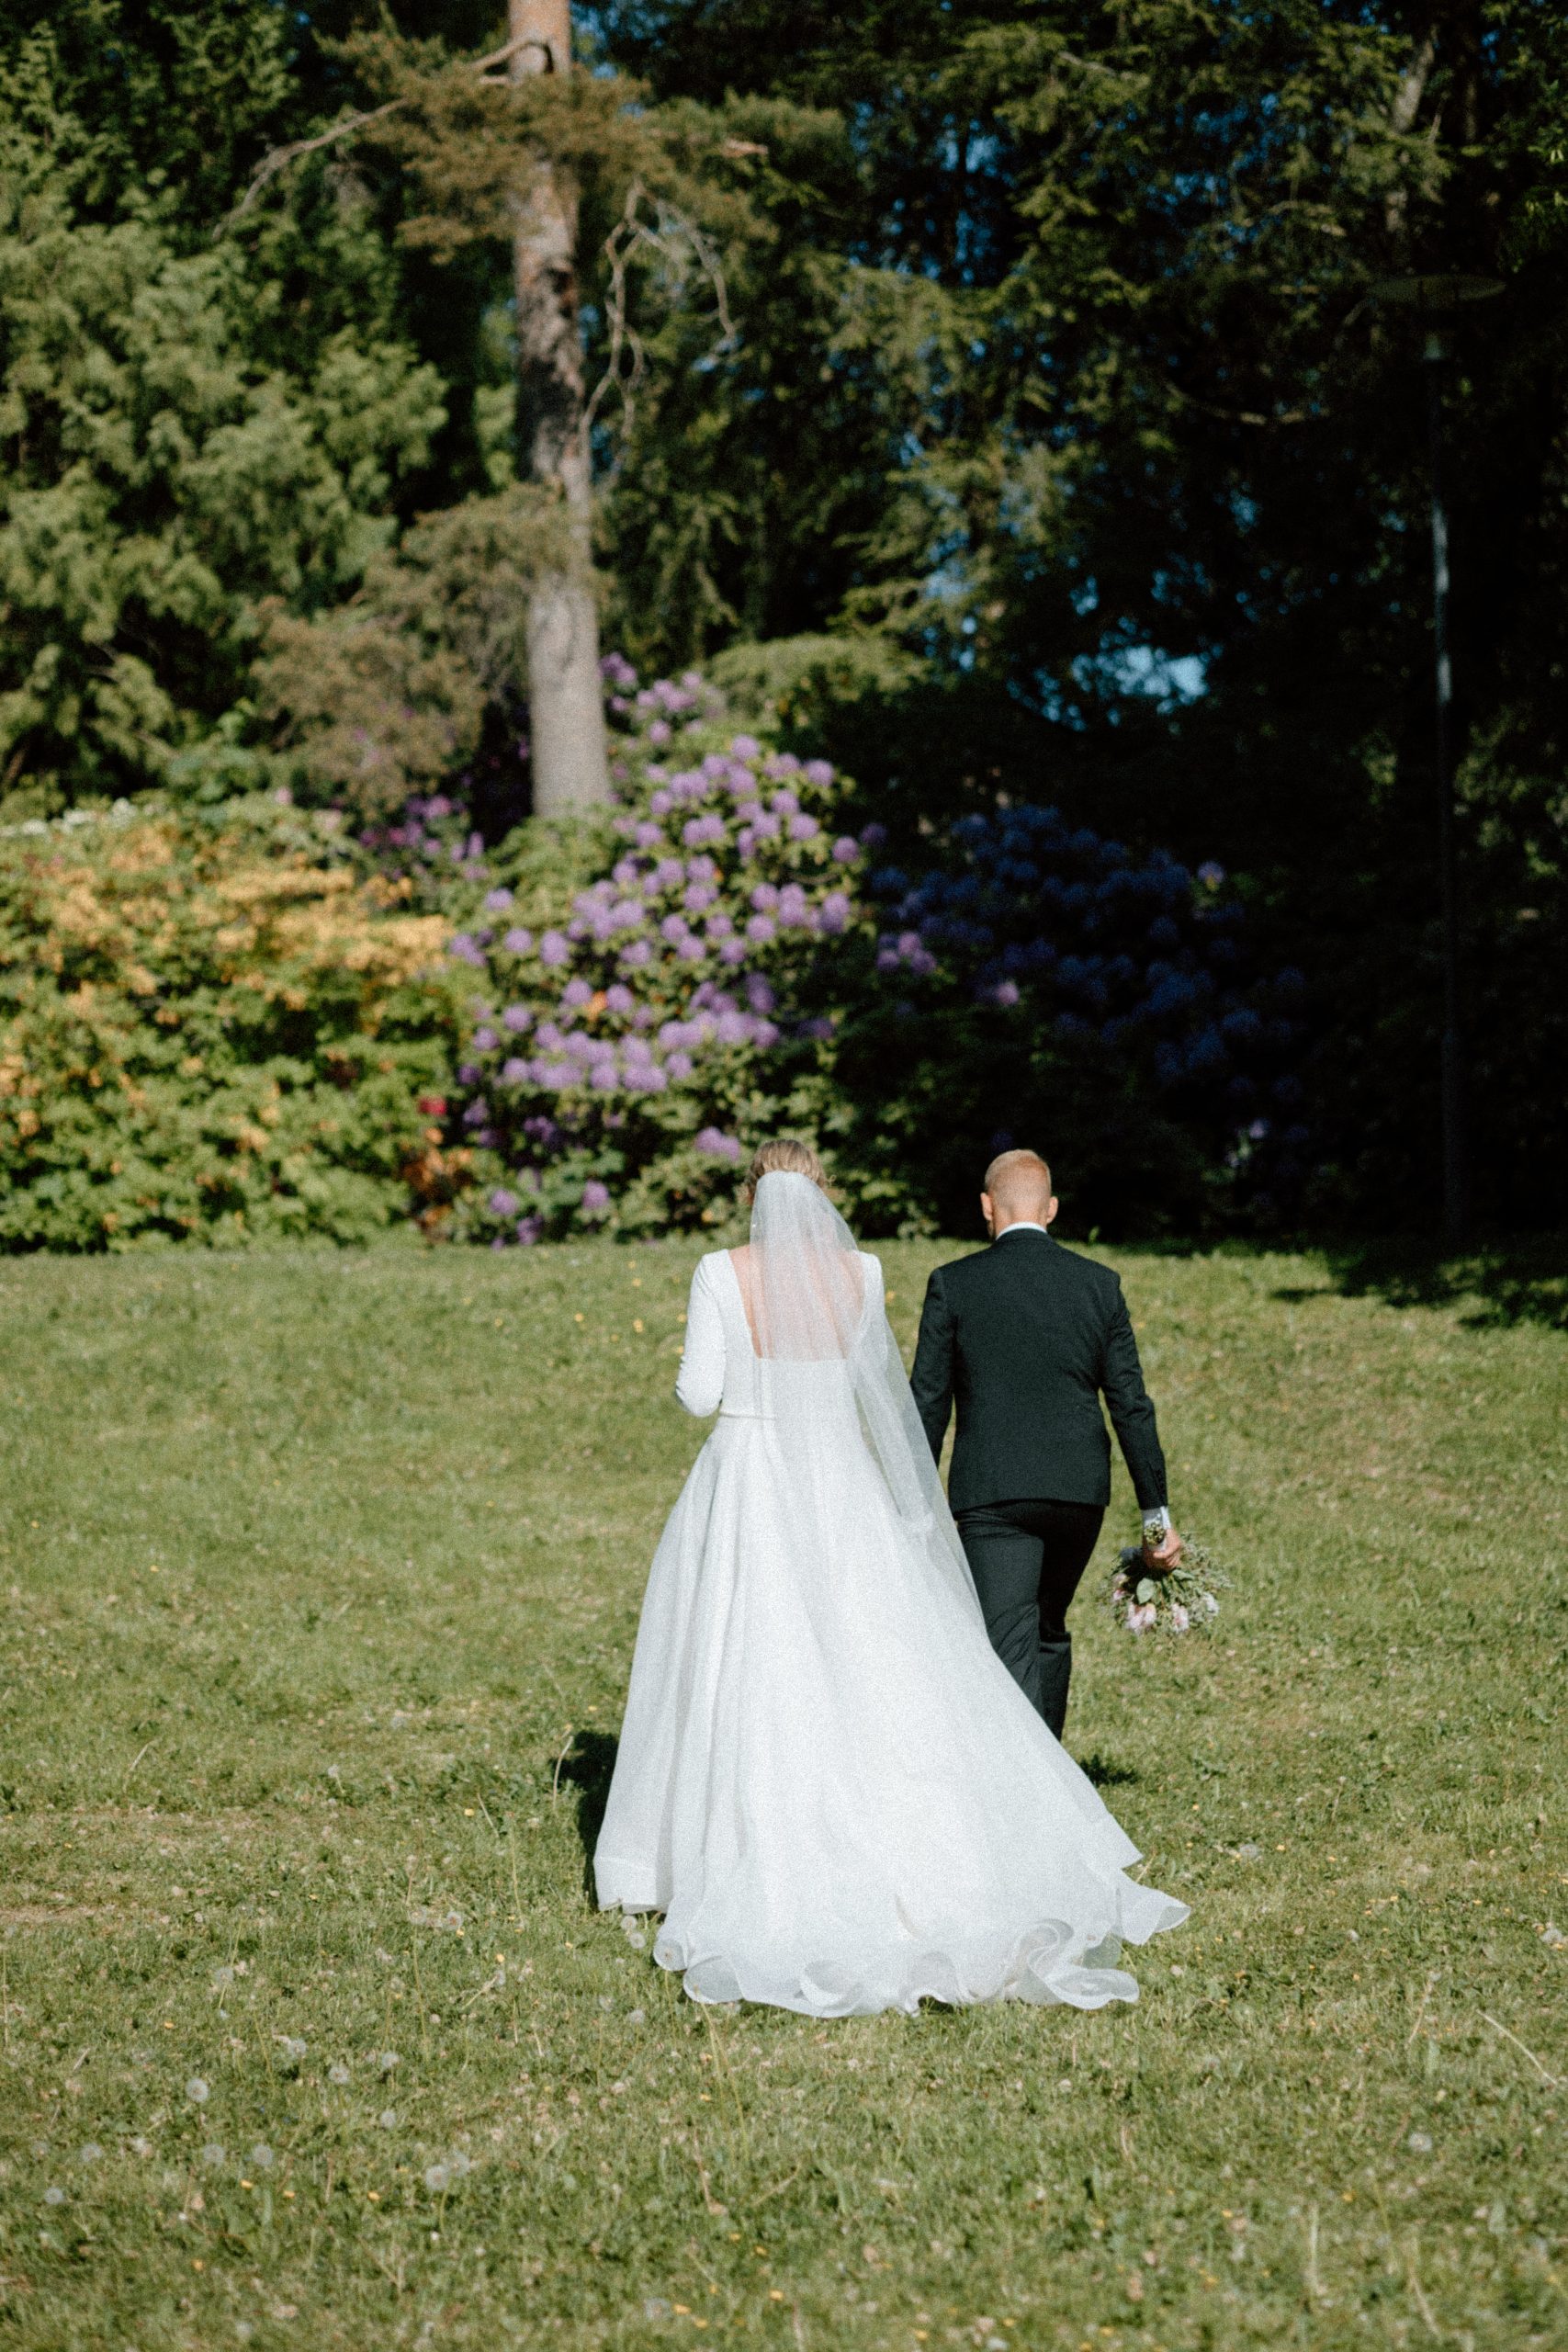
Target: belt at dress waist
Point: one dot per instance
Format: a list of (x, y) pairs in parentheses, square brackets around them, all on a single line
[(741, 1413)]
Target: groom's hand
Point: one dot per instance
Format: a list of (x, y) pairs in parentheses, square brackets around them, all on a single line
[(1164, 1555)]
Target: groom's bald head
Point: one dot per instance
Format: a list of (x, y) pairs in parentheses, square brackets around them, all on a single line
[(1017, 1191)]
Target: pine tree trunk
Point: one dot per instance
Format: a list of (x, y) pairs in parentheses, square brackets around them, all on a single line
[(565, 695)]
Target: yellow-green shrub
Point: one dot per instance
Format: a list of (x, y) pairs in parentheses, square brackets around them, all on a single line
[(213, 1029)]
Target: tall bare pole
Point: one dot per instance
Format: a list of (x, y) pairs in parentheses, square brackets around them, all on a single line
[(565, 694), (1455, 1189), (1434, 297)]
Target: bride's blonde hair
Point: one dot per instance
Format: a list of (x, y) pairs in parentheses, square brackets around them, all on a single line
[(785, 1155)]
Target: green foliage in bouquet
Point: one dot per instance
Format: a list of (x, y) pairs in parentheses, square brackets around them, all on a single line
[(214, 1031), (1171, 1600)]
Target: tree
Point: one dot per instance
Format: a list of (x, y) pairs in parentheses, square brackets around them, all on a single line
[(1087, 411), (566, 713), (188, 430), (516, 146)]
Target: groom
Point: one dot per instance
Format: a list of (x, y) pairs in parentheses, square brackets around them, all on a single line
[(1027, 1337)]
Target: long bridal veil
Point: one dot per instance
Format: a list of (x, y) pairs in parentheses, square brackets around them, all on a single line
[(827, 1359)]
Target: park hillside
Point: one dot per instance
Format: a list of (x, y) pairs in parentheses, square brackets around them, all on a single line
[(575, 591), (320, 1573)]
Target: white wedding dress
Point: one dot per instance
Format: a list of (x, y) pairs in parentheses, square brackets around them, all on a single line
[(827, 1782)]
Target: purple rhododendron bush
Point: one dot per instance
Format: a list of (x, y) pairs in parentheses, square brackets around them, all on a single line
[(237, 1021), (635, 1025)]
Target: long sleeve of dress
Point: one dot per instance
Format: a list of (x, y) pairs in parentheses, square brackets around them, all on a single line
[(699, 1384), (931, 1378)]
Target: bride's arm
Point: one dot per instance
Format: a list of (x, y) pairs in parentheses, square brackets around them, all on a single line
[(931, 1378), (699, 1384)]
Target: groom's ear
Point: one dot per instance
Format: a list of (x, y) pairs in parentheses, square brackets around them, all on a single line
[(986, 1212), (1051, 1208)]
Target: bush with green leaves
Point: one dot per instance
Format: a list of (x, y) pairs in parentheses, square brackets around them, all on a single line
[(632, 1031), (213, 1028)]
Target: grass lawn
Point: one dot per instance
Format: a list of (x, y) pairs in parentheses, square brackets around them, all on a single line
[(320, 1577)]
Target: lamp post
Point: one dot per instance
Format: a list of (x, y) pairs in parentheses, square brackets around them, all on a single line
[(1433, 298)]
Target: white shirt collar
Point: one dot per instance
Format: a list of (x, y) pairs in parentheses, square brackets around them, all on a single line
[(1022, 1224)]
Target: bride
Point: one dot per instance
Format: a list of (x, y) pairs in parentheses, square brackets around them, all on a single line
[(827, 1781)]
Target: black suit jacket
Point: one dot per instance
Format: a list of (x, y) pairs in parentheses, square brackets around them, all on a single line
[(1026, 1337)]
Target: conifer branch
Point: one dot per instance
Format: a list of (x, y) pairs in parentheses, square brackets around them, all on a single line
[(281, 157), (1255, 417)]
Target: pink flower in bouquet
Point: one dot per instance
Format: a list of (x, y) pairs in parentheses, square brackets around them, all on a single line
[(1142, 1602)]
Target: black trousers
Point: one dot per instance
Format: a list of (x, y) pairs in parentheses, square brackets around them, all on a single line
[(1026, 1559)]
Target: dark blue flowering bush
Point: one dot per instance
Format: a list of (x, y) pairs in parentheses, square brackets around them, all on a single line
[(625, 1039), (1037, 983)]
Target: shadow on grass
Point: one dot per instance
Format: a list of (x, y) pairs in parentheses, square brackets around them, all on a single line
[(1505, 1283), (1524, 1280), (1104, 1774), (588, 1764)]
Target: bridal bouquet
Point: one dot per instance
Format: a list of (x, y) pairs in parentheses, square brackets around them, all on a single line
[(1174, 1600)]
